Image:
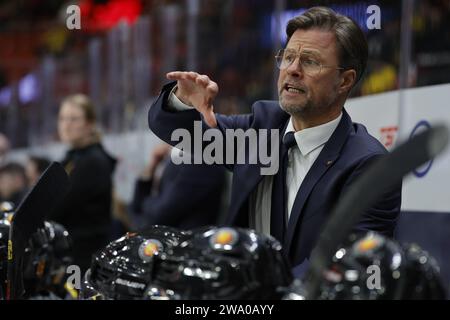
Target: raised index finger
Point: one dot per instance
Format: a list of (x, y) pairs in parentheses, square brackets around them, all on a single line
[(177, 75)]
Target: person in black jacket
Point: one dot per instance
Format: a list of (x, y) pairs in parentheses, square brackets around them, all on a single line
[(86, 210), (34, 168), (13, 187)]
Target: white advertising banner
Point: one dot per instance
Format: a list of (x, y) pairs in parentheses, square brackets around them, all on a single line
[(427, 189)]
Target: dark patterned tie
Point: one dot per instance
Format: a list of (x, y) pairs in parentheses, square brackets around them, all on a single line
[(279, 191)]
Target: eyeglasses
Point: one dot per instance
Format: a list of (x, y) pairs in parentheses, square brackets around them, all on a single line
[(310, 65)]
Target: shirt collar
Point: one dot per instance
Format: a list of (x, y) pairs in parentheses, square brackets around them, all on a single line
[(311, 138)]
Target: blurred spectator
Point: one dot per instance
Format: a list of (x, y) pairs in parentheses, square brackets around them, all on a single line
[(121, 223), (86, 210), (184, 196), (34, 168), (4, 148), (382, 77), (13, 183)]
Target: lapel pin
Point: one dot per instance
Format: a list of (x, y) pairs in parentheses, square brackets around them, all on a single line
[(329, 162)]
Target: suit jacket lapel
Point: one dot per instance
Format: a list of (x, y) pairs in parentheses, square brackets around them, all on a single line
[(326, 158), (246, 178), (246, 181)]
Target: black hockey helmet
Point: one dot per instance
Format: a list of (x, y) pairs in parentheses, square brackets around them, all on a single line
[(47, 257), (6, 213), (373, 267), (124, 268), (222, 263)]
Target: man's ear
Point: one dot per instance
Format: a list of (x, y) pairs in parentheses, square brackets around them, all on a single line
[(348, 79)]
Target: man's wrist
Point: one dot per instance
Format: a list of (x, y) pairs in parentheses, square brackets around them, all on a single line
[(147, 175), (182, 99), (175, 103)]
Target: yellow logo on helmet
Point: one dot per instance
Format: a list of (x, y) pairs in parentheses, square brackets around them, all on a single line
[(149, 248), (224, 238), (368, 244)]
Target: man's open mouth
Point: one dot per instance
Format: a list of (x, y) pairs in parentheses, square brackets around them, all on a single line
[(293, 89)]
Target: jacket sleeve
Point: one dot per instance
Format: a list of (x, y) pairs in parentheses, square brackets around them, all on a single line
[(164, 123), (381, 216)]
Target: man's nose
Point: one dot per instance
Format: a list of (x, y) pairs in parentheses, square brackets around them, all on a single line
[(295, 68)]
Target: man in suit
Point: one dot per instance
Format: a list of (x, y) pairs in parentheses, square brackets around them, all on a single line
[(321, 150)]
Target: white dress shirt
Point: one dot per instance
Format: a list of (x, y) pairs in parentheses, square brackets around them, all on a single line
[(310, 143), (176, 104)]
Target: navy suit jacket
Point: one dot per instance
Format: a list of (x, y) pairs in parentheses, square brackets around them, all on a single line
[(344, 157)]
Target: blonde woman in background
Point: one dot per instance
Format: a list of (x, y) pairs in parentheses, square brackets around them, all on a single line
[(86, 210)]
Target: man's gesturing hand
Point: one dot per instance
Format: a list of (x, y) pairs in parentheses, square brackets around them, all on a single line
[(198, 91)]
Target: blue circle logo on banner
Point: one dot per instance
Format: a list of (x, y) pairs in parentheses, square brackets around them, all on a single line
[(422, 170)]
